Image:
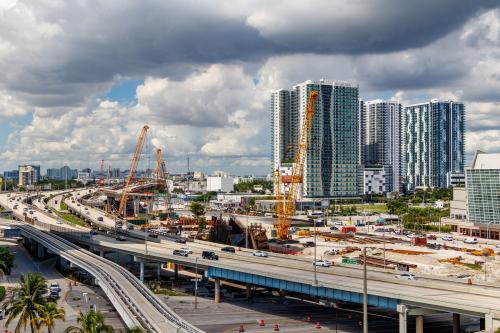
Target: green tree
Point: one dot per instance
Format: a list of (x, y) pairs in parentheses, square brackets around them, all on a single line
[(90, 322), (6, 261), (49, 315), (135, 330), (197, 209), (29, 304)]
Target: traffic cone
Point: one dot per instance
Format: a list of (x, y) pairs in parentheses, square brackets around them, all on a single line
[(276, 327), (308, 319), (318, 325), (261, 322), (242, 329)]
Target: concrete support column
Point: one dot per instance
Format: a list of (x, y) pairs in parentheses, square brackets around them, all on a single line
[(217, 291), (40, 251), (402, 310), (101, 253), (456, 323), (176, 271), (141, 273), (249, 291), (158, 270), (136, 207), (419, 324)]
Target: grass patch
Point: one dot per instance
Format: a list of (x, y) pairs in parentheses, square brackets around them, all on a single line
[(2, 293), (76, 299), (168, 292), (63, 206), (476, 267), (70, 218), (375, 208)]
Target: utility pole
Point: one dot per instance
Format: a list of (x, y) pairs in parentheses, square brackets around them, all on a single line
[(196, 284), (365, 294), (315, 267)]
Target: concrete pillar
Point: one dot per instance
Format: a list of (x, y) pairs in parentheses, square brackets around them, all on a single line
[(141, 273), (456, 323), (158, 270), (176, 271), (136, 207), (40, 251), (419, 324), (217, 291), (249, 291), (402, 318), (101, 253)]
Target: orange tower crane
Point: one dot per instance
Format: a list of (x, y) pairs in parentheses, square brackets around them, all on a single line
[(99, 181), (286, 186), (132, 171)]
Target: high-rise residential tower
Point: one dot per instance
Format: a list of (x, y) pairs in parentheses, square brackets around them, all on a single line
[(381, 139), (332, 160), (433, 142)]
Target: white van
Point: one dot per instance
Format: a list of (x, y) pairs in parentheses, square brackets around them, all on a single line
[(469, 240)]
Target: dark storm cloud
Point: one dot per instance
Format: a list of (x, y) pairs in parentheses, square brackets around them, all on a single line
[(100, 41)]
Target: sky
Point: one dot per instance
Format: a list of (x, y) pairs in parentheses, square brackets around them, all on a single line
[(79, 79)]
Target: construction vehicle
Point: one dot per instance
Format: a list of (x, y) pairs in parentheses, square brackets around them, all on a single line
[(286, 186), (133, 168)]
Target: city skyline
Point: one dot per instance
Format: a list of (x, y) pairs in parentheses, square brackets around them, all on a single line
[(76, 107)]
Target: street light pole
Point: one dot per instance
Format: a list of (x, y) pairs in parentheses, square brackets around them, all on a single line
[(196, 284), (315, 267), (365, 293)]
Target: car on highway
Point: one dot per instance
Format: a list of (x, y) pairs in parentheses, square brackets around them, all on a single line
[(130, 226), (93, 232), (121, 238), (59, 222), (228, 249), (180, 240), (15, 206), (186, 249), (210, 255), (339, 223), (470, 240), (100, 219), (322, 263), (406, 276), (447, 238), (180, 253), (262, 254)]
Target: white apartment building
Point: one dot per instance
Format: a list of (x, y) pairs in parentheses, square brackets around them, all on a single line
[(220, 183), (28, 174)]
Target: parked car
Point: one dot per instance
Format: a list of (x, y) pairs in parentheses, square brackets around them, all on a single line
[(406, 276), (228, 249), (180, 253), (54, 295), (433, 237), (340, 223), (334, 228), (259, 253), (470, 240), (210, 255), (322, 263), (447, 238), (309, 244), (54, 286)]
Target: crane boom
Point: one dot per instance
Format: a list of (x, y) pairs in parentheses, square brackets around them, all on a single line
[(133, 169), (161, 180), (285, 201), (99, 181)]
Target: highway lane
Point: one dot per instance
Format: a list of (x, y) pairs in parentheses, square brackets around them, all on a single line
[(116, 280)]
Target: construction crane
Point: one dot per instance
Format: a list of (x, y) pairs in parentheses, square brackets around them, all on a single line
[(132, 170), (108, 174), (161, 179), (286, 186), (99, 181)]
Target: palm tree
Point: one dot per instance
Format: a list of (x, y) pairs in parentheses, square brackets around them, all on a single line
[(29, 303), (90, 322), (6, 261), (49, 315)]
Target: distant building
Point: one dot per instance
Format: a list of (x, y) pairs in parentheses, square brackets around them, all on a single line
[(115, 173), (433, 142), (381, 139), (29, 175), (332, 159), (54, 174), (198, 175), (374, 180), (66, 173), (220, 184), (11, 175), (455, 179)]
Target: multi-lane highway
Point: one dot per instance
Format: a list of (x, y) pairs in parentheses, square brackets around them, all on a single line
[(137, 305)]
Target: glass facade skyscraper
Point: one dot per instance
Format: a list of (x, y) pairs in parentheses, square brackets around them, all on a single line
[(483, 190), (433, 142), (332, 159)]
